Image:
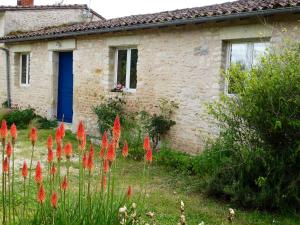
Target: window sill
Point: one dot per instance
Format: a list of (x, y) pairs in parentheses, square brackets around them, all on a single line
[(24, 85), (124, 91)]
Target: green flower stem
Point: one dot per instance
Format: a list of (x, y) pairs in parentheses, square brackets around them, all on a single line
[(30, 168), (3, 184), (24, 198), (13, 181)]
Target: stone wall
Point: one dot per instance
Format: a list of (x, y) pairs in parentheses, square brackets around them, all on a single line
[(22, 20), (181, 64)]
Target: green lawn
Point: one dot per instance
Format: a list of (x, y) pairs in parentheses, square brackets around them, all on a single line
[(165, 190)]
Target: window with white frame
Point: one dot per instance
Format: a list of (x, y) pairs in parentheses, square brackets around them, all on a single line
[(24, 69), (126, 68), (246, 54)]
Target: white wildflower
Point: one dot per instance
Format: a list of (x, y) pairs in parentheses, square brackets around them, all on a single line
[(123, 209)]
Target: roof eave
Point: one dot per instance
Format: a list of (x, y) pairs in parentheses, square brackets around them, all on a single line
[(157, 25)]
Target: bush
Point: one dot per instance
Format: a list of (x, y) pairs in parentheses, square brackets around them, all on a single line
[(21, 118), (107, 111), (255, 161)]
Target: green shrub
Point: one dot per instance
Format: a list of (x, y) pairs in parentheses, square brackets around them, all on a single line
[(21, 118), (255, 161), (44, 123), (107, 112)]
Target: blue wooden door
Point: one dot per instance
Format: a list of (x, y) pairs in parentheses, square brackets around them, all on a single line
[(65, 87)]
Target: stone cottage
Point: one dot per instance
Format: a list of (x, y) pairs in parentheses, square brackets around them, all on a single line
[(177, 55)]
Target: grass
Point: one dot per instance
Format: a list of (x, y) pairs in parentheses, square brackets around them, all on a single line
[(165, 190)]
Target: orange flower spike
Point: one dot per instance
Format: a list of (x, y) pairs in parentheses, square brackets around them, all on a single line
[(90, 162), (84, 161), (68, 150), (149, 156), (129, 192), (3, 130), (13, 132), (111, 152), (117, 129), (24, 170), (9, 149), (53, 170), (105, 166), (64, 184), (41, 194), (147, 143), (92, 151), (62, 130), (58, 152), (82, 143), (38, 174), (49, 143), (50, 156), (102, 153), (125, 149), (5, 165), (80, 131), (104, 144), (58, 135), (54, 199), (33, 136)]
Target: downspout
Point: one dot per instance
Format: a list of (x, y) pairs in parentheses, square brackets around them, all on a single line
[(7, 76)]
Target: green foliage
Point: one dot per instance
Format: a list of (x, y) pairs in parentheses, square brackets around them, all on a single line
[(107, 112), (44, 123), (21, 118), (255, 161)]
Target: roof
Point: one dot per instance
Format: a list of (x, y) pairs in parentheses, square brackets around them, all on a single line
[(45, 7), (224, 11)]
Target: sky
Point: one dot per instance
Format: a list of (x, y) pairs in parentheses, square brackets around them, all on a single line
[(118, 8)]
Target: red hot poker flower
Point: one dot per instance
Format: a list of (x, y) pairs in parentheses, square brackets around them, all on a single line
[(82, 143), (58, 152), (147, 143), (24, 170), (92, 151), (9, 149), (50, 156), (54, 200), (84, 161), (49, 143), (58, 135), (33, 136), (62, 130), (41, 194), (53, 170), (149, 155), (13, 131), (3, 130), (125, 149), (64, 184), (90, 162), (105, 166), (68, 150), (38, 173), (117, 129), (5, 165), (111, 152), (102, 153), (80, 131), (129, 192), (104, 144)]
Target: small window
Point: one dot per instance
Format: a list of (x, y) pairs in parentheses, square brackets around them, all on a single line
[(246, 54), (24, 69), (126, 68)]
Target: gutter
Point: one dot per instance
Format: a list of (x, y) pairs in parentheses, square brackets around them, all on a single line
[(7, 76), (178, 22)]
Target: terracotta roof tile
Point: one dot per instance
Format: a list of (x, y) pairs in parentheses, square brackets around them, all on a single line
[(162, 18)]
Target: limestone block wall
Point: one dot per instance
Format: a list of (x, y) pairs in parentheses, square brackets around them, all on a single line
[(181, 64), (22, 20)]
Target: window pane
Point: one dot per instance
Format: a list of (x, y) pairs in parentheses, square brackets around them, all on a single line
[(122, 59), (133, 77), (239, 55), (259, 49), (23, 69)]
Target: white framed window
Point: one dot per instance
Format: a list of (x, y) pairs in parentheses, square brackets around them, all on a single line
[(126, 68), (24, 69), (246, 54)]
